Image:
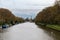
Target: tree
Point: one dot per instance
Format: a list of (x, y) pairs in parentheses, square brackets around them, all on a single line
[(6, 16), (49, 15)]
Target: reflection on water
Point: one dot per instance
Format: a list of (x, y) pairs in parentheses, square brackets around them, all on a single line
[(28, 31), (53, 33)]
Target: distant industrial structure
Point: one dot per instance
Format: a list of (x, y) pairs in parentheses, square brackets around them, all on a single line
[(29, 19)]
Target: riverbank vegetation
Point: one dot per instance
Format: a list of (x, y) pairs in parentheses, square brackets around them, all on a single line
[(56, 27), (7, 17), (51, 16)]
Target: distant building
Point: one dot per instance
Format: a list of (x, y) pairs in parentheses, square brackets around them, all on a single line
[(30, 20)]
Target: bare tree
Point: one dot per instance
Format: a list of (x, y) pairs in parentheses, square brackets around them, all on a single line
[(57, 2)]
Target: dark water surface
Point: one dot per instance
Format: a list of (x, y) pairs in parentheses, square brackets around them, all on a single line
[(29, 31)]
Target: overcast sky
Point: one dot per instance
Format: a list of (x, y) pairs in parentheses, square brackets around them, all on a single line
[(25, 4), (17, 5)]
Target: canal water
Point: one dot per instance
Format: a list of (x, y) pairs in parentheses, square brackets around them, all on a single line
[(29, 31)]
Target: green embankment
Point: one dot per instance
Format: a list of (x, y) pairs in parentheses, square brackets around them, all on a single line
[(56, 27), (52, 26)]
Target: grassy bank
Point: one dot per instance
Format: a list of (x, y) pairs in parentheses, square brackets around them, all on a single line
[(56, 27)]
